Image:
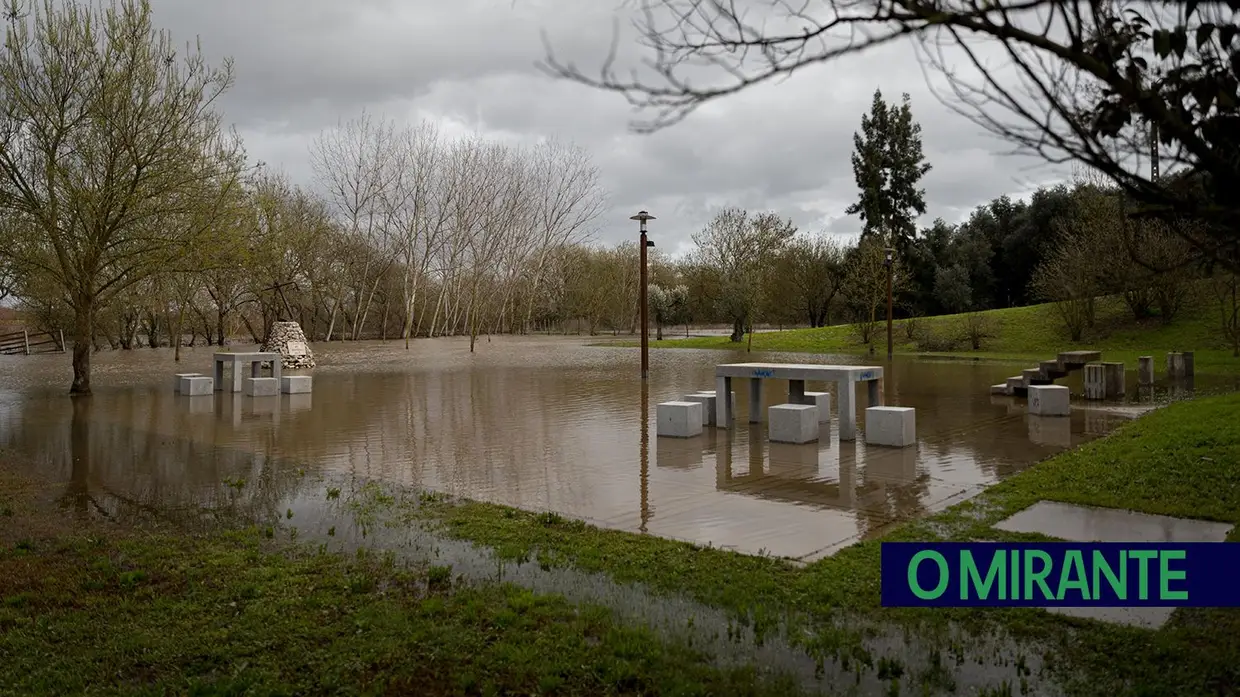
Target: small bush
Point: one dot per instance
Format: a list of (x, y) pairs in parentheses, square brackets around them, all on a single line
[(913, 329), (977, 328)]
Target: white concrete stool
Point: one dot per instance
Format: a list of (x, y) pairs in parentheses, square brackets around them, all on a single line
[(793, 423), (196, 385), (822, 400), (1049, 400), (261, 387), (679, 419), (176, 380), (295, 384), (708, 405), (895, 427)]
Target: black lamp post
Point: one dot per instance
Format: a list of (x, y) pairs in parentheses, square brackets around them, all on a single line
[(642, 217), (888, 262)]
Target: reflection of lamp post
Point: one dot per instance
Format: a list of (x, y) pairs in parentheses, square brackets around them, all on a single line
[(644, 475), (642, 217), (890, 272)]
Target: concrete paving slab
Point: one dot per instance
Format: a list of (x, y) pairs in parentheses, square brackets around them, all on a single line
[(1089, 524)]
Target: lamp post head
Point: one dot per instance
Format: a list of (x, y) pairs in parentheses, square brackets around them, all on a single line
[(890, 256), (642, 217)]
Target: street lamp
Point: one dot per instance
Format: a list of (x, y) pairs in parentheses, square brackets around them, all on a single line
[(888, 262), (641, 218)]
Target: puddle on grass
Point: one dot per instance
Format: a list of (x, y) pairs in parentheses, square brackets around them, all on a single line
[(362, 517)]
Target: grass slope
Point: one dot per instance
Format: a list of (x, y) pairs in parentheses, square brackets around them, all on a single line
[(1025, 333), (1183, 460)]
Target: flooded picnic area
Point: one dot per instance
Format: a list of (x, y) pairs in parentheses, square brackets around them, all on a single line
[(540, 423)]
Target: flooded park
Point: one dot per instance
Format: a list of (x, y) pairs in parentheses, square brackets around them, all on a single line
[(554, 424), (538, 423)]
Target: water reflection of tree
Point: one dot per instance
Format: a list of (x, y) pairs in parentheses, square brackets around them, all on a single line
[(122, 473)]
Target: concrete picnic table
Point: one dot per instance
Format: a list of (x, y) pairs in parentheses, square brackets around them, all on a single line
[(255, 360), (845, 376)]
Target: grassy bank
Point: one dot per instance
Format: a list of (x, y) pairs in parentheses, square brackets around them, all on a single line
[(105, 611), (1021, 333), (1183, 460)]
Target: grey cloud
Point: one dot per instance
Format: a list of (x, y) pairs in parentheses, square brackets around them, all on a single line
[(302, 65), (313, 58)]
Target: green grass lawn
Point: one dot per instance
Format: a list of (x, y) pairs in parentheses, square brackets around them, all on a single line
[(1022, 333), (1183, 460), (100, 612)]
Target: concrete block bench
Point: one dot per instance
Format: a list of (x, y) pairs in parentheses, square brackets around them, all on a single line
[(822, 400), (1049, 400), (176, 380), (708, 405), (894, 427), (793, 423), (261, 387), (295, 384), (196, 385), (679, 419)]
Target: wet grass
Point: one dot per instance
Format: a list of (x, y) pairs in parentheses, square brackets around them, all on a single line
[(1183, 460), (100, 611), (1020, 334)]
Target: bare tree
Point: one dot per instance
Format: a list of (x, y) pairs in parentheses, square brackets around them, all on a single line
[(422, 213), (1080, 82), (1068, 277), (865, 286), (107, 136), (568, 199), (808, 276), (738, 248), (359, 164)]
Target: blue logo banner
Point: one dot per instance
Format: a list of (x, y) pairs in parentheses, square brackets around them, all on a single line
[(1060, 574)]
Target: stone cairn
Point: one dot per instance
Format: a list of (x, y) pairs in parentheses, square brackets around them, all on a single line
[(288, 340)]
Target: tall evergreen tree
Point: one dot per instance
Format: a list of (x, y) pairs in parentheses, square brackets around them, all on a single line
[(888, 164)]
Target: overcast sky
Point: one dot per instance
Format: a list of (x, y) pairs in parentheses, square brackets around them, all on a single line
[(303, 65)]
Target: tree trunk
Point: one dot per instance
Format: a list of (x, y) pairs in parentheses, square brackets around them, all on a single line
[(176, 355), (83, 324), (331, 322)]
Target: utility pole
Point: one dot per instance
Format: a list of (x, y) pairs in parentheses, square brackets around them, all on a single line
[(888, 262), (642, 217)]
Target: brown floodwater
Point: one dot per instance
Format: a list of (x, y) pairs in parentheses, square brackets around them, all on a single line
[(541, 423)]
